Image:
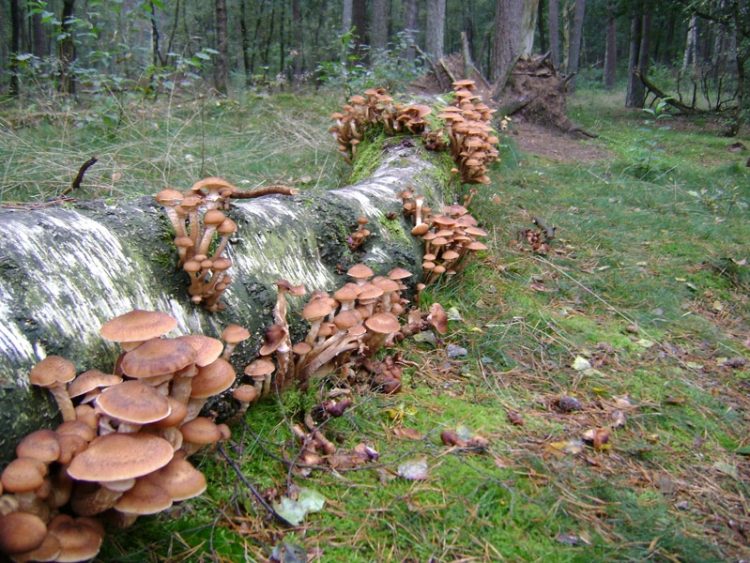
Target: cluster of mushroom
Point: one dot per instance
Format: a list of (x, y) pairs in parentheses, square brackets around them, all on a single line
[(358, 237), (317, 450), (122, 447), (357, 320), (450, 239), (467, 132), (376, 107), (198, 222), (471, 140)]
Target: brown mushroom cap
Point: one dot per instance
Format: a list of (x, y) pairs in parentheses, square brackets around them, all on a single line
[(399, 274), (52, 370), (23, 475), (117, 457), (158, 357), (42, 445), (146, 497), (213, 379), (77, 428), (245, 393), (301, 348), (316, 309), (383, 323), (179, 479), (234, 334), (133, 402), (200, 430), (274, 337), (176, 416), (48, 550), (21, 532), (137, 325), (259, 367), (79, 540), (360, 272), (207, 349), (90, 380)]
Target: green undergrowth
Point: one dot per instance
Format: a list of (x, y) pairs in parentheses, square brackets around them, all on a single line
[(647, 279)]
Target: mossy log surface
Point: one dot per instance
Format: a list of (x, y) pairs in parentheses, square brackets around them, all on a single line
[(64, 271)]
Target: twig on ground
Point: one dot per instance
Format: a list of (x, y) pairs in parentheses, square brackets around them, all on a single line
[(76, 183), (252, 488), (279, 189)]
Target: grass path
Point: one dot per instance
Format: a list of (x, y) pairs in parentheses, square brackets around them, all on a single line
[(647, 280)]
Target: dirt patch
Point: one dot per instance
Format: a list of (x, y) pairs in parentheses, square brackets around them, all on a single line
[(555, 145)]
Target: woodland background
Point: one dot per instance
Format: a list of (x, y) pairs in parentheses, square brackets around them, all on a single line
[(694, 51)]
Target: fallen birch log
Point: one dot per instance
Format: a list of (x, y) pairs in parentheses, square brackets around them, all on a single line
[(65, 271)]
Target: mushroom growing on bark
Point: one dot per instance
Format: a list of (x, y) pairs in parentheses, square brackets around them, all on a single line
[(52, 373)]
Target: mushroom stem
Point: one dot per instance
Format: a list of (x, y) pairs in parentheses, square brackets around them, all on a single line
[(314, 328), (63, 402), (208, 235), (183, 383), (326, 356), (101, 499)]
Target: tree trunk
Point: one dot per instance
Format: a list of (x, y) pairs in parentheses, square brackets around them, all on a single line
[(610, 58), (574, 47), (359, 22), (38, 36), (435, 28), (515, 23), (690, 58), (67, 49), (554, 31), (634, 95), (68, 270), (156, 58), (540, 29), (222, 58), (411, 28), (245, 44), (15, 46), (298, 57), (379, 24), (282, 39), (346, 16)]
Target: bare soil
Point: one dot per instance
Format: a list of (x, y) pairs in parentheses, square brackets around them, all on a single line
[(555, 145)]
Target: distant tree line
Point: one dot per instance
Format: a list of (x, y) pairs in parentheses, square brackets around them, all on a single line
[(694, 52)]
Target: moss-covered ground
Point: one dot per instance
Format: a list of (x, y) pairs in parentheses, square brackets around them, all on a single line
[(647, 279)]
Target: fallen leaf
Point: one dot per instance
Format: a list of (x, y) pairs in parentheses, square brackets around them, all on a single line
[(644, 343), (294, 511), (726, 469), (288, 552), (694, 365), (599, 438), (572, 447), (572, 539), (413, 470), (568, 404), (453, 314), (515, 418), (674, 400), (451, 438), (581, 364), (407, 433), (618, 418)]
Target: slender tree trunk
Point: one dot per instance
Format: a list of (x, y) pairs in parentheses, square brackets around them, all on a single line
[(67, 49), (634, 95), (222, 59), (553, 24), (175, 25), (435, 28), (282, 38), (540, 27), (15, 46), (245, 43), (269, 40), (359, 21), (256, 34), (690, 58), (298, 65), (411, 28), (528, 26), (379, 24), (610, 58), (574, 48), (38, 36), (156, 58), (346, 19)]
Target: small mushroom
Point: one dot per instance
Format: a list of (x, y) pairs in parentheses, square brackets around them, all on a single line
[(52, 373)]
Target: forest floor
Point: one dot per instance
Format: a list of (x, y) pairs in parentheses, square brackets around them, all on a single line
[(634, 327)]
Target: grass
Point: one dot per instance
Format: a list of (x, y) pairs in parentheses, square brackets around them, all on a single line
[(645, 279)]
